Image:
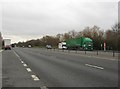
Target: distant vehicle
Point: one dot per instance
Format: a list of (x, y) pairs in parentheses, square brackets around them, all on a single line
[(7, 44), (29, 46), (12, 45), (48, 46), (62, 45), (81, 43)]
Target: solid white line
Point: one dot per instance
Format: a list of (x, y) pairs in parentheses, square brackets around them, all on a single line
[(28, 69), (35, 78), (94, 66), (16, 54), (25, 65)]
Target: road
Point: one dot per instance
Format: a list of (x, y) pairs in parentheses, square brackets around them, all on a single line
[(0, 69), (56, 69)]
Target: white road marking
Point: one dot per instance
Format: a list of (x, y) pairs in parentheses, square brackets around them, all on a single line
[(28, 69), (94, 66), (43, 87), (25, 65), (22, 62), (35, 78), (1, 50), (16, 54)]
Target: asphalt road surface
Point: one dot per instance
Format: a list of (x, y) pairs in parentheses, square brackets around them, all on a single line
[(0, 68), (30, 67)]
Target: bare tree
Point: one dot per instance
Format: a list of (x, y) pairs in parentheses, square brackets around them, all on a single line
[(72, 33), (66, 36)]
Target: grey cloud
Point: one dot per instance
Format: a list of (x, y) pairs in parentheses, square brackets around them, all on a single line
[(38, 19)]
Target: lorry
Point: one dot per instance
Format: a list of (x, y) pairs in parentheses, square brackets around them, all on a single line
[(80, 43), (7, 44), (62, 45)]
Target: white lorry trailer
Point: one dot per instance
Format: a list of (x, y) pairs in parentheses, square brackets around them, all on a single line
[(7, 44), (62, 45)]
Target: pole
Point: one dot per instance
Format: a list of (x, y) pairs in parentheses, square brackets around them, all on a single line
[(104, 46), (113, 53), (68, 50), (97, 52), (104, 35), (76, 50), (85, 51)]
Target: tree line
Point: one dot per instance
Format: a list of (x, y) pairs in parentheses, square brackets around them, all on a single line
[(0, 40), (110, 37)]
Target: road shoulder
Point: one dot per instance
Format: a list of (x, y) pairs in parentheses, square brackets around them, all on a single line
[(14, 73)]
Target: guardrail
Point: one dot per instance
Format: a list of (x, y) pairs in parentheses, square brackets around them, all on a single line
[(109, 54)]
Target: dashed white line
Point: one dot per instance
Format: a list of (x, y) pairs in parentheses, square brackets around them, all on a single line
[(43, 87), (1, 50), (35, 78), (22, 62), (94, 66), (25, 65), (28, 69)]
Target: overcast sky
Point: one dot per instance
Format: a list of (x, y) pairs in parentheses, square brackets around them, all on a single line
[(26, 19)]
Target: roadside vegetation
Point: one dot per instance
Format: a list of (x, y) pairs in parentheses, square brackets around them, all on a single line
[(110, 36)]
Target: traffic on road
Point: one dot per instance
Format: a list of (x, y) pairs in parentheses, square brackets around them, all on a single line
[(36, 67)]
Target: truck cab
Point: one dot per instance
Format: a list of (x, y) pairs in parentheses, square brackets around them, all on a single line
[(62, 45), (87, 44)]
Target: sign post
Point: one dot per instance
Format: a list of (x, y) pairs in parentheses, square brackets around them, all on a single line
[(104, 46), (104, 35)]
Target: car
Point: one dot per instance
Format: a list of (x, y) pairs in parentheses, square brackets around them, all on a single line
[(48, 46), (29, 46)]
